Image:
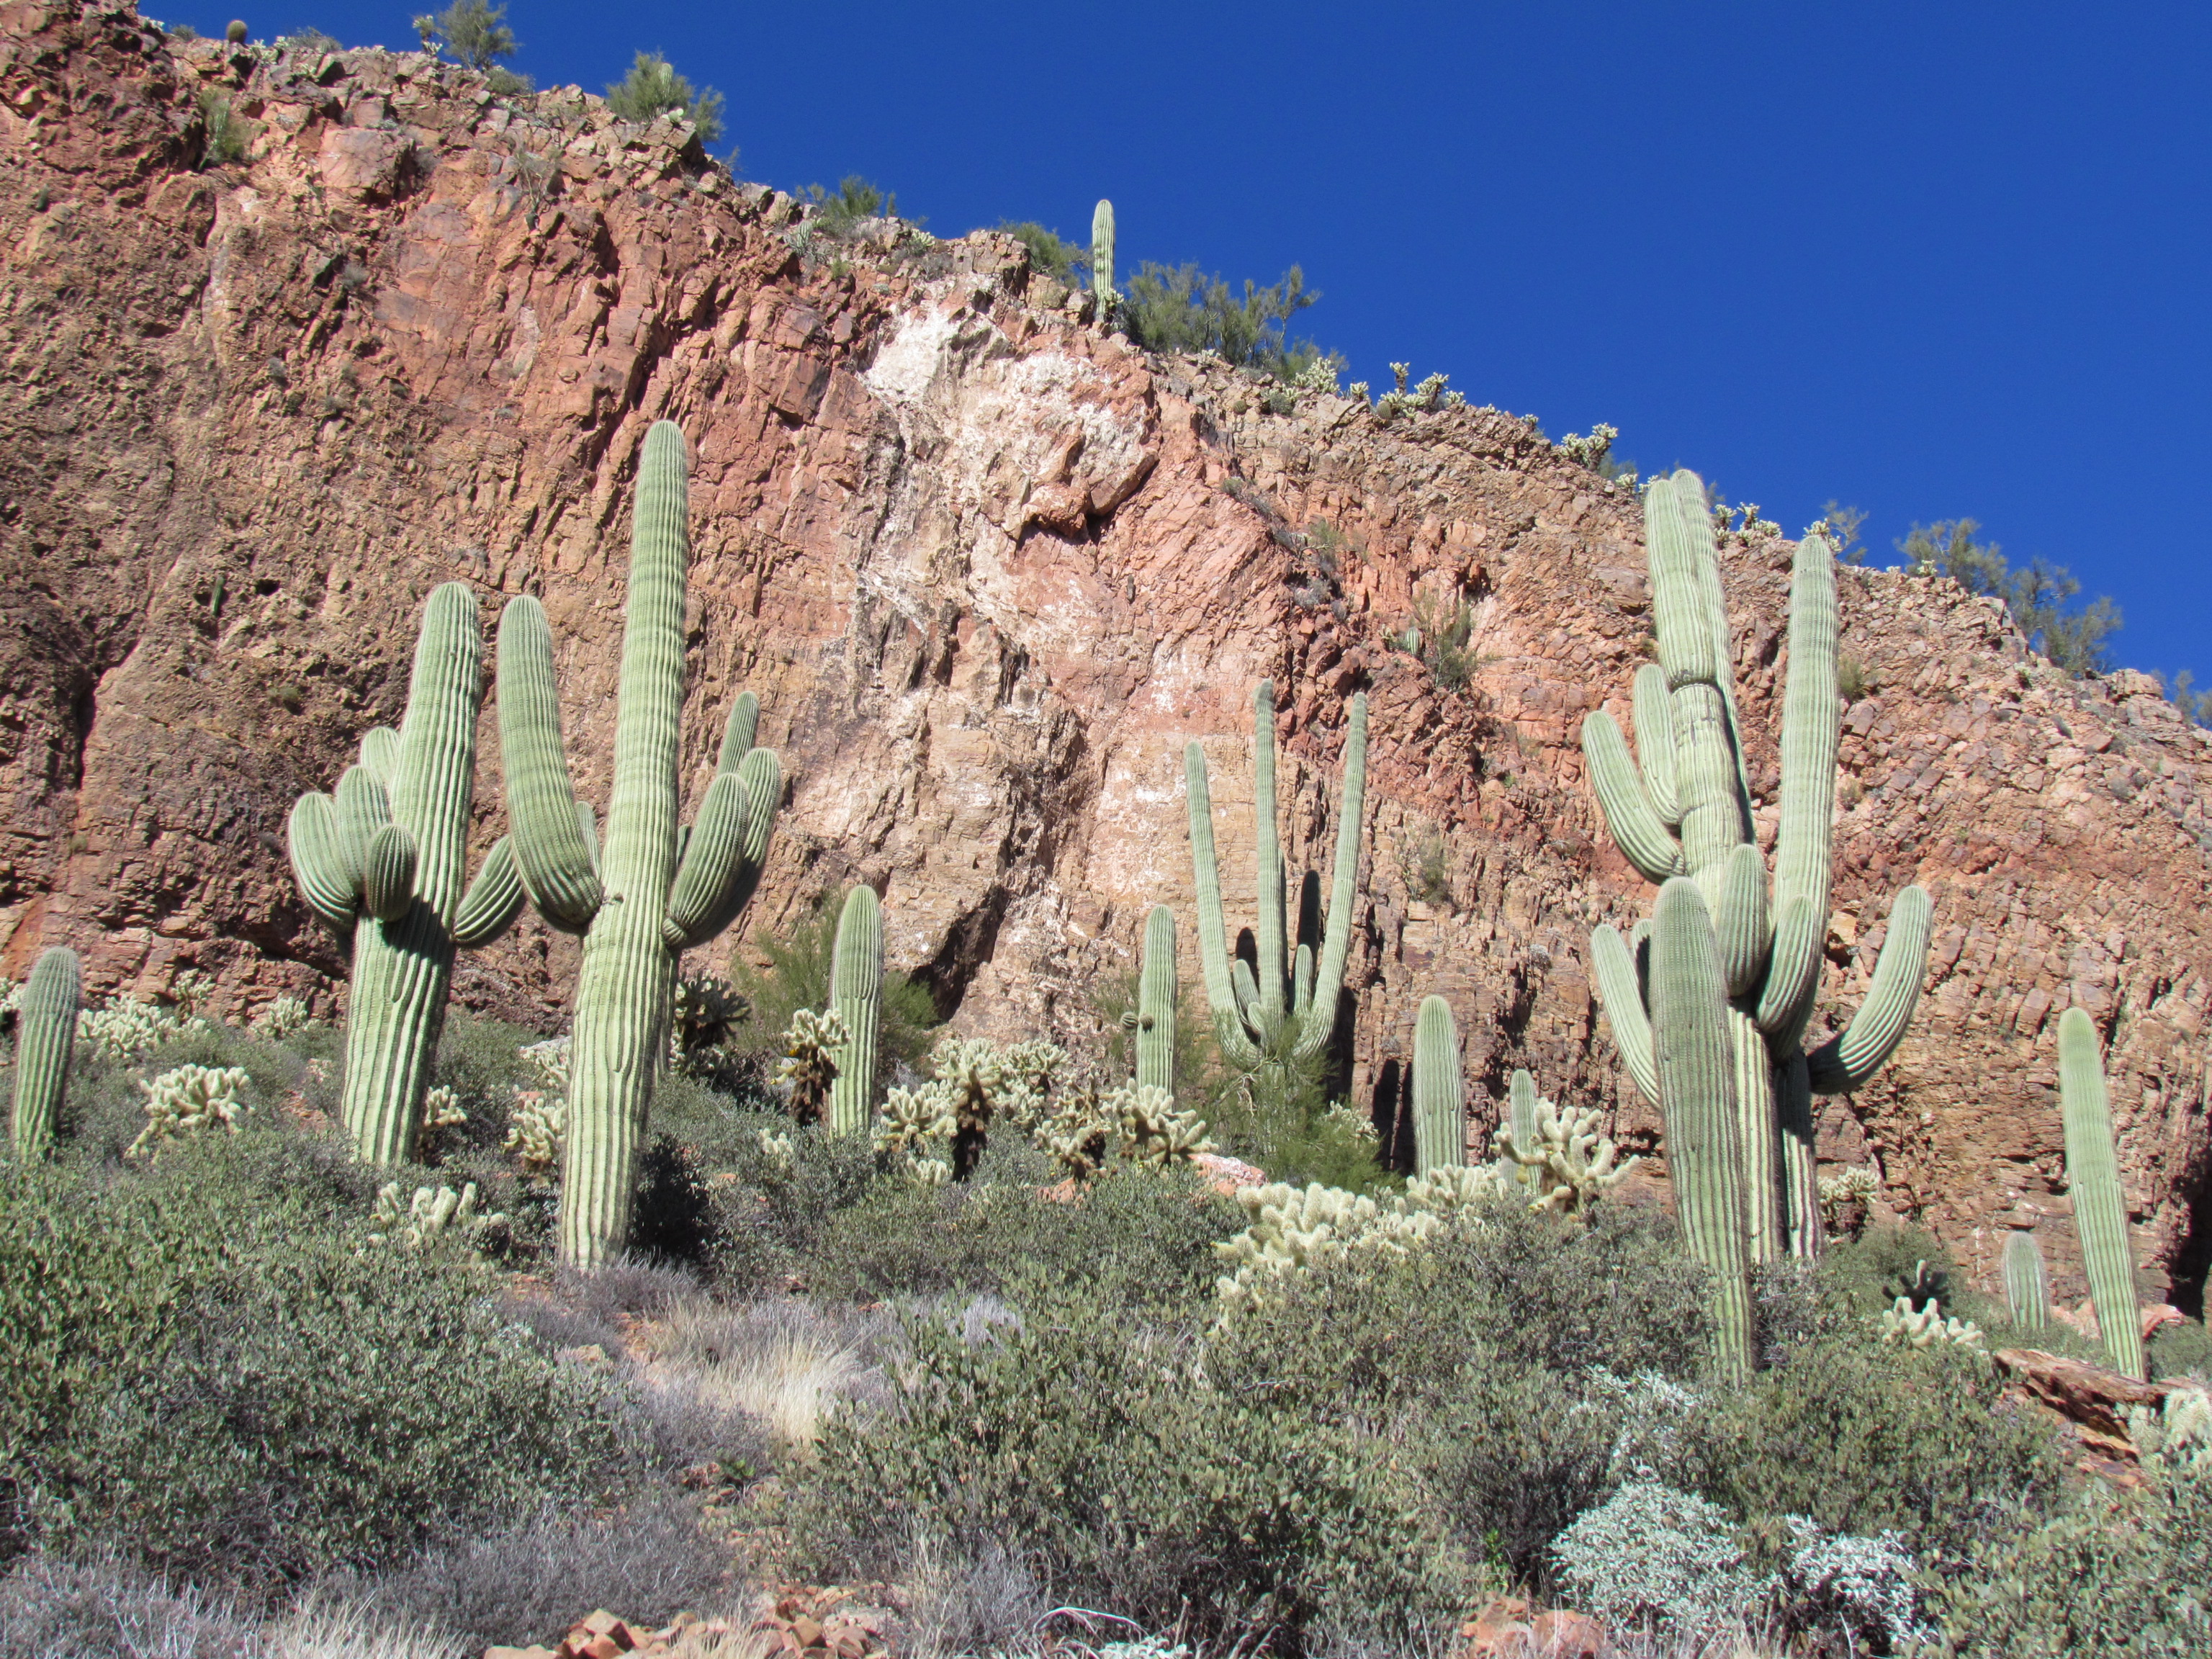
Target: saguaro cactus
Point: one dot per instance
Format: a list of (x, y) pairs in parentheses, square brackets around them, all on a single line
[(1695, 1055), (637, 908), (46, 1041), (1681, 808), (1251, 1012), (856, 986), (1101, 261), (383, 861), (2093, 1174), (1156, 1003), (1439, 1090), (2027, 1287)]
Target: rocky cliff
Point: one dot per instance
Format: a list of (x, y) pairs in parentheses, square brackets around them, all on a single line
[(988, 570)]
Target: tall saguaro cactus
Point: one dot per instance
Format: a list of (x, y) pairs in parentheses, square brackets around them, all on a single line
[(1252, 1012), (1156, 1003), (1439, 1089), (1101, 261), (2092, 1174), (383, 861), (856, 986), (46, 1041), (1681, 812), (637, 907)]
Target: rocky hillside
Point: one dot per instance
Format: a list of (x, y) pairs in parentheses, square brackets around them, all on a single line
[(988, 570)]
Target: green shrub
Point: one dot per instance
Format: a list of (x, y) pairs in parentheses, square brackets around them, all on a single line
[(1864, 1436), (1180, 308), (1050, 254), (2038, 596), (228, 135), (798, 976), (1089, 1443), (652, 88), (207, 1369), (1277, 1113), (474, 31), (2182, 1350), (837, 212)]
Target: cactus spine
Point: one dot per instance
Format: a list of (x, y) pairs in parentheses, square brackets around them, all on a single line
[(383, 860), (856, 985), (1288, 996), (1101, 261), (1681, 808), (1439, 1093), (2093, 1174), (2027, 1287), (46, 1041), (1156, 1003), (636, 904)]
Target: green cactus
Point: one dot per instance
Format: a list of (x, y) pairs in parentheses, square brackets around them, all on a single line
[(650, 892), (383, 860), (2100, 1210), (2028, 1285), (1439, 1090), (1156, 1003), (1694, 1054), (856, 983), (45, 1042), (1682, 807), (1290, 999), (1101, 261)]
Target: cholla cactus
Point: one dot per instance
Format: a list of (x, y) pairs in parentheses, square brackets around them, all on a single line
[(283, 1016), (809, 1065), (127, 1028), (1901, 1325), (187, 1099), (536, 1130), (1569, 1158), (978, 1084), (699, 1035), (550, 1059), (1854, 1184), (1137, 1122), (435, 1215), (777, 1147), (917, 1126), (2176, 1439), (1290, 1230), (441, 1110), (1592, 450), (191, 989)]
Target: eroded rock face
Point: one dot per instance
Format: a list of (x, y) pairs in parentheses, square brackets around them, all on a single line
[(988, 570)]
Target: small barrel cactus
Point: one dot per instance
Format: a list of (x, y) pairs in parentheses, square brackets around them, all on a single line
[(45, 1039), (2027, 1284)]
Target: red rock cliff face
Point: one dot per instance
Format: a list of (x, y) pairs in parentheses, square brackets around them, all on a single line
[(988, 571)]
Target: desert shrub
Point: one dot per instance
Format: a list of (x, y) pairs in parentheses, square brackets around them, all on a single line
[(207, 1369), (630, 1284), (2111, 1573), (230, 136), (1132, 1237), (529, 1581), (771, 1187), (480, 1060), (1277, 1115), (1863, 1438), (782, 1366), (474, 31), (838, 211), (109, 1607), (982, 1600), (652, 87), (1653, 1558), (2182, 1350), (2037, 595), (1181, 308), (1087, 1442), (1050, 254), (675, 1220)]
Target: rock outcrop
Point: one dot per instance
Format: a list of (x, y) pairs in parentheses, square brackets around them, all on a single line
[(988, 570)]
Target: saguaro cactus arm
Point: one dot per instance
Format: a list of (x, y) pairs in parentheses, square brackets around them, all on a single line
[(1156, 1002), (387, 873), (1317, 1006), (323, 862), (493, 900), (856, 981), (1620, 993), (1643, 836), (726, 850), (1237, 1045), (553, 851), (2093, 1174), (1846, 1062)]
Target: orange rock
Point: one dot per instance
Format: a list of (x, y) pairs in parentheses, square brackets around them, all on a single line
[(807, 1630), (1563, 1635), (519, 1653)]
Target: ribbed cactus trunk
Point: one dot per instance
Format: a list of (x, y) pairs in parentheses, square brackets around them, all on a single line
[(385, 860), (1696, 1055), (636, 908), (1156, 1003), (2101, 1208), (45, 1042), (1101, 261), (1680, 808), (856, 984), (2027, 1284), (1439, 1090), (1252, 1012)]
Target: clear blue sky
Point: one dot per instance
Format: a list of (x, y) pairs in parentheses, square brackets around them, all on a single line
[(1932, 259)]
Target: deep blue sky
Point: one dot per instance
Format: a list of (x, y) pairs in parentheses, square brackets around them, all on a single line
[(1931, 258)]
